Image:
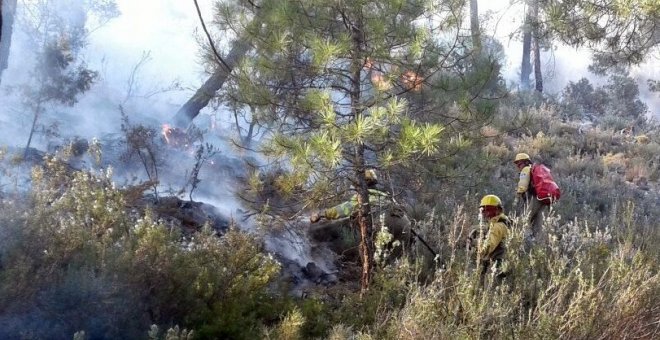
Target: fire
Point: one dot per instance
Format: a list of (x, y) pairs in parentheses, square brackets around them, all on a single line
[(175, 137), (368, 64), (167, 131), (409, 79), (381, 82), (412, 80)]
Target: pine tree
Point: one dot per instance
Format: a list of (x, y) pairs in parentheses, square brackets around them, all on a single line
[(7, 13), (475, 31), (330, 79), (526, 66), (58, 32), (538, 74), (619, 33)]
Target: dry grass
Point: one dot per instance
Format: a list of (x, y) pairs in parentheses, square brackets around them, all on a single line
[(642, 139), (637, 170), (497, 151), (616, 162), (561, 129), (489, 131), (578, 286)]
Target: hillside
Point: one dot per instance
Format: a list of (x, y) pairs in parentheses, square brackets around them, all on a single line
[(84, 241), (332, 177)]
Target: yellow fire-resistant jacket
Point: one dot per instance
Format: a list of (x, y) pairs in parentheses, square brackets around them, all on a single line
[(524, 180), (376, 197), (493, 247)]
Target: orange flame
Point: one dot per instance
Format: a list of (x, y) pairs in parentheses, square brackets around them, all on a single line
[(167, 131), (412, 80), (368, 64), (381, 82)]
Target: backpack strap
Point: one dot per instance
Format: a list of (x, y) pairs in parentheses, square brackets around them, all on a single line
[(507, 221), (531, 190)]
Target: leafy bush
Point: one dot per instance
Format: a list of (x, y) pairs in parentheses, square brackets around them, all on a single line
[(81, 261)]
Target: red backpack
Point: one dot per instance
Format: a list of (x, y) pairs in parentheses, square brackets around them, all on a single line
[(547, 191)]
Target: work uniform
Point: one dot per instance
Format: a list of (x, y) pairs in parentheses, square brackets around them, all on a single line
[(537, 209), (492, 250), (395, 218), (346, 209)]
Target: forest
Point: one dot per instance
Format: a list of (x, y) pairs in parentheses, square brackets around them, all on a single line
[(330, 174)]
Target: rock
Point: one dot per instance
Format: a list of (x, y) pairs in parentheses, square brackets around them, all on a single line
[(191, 215), (79, 146), (328, 279), (312, 271), (318, 276)]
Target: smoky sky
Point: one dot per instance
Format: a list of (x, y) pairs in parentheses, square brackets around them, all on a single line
[(157, 35), (164, 30), (561, 63)]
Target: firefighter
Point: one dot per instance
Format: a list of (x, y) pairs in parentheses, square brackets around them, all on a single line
[(489, 241), (395, 219), (526, 195)]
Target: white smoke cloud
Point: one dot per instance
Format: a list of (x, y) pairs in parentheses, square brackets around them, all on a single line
[(166, 28), (162, 28), (561, 64)]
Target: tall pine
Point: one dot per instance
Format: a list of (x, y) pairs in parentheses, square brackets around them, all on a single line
[(330, 79)]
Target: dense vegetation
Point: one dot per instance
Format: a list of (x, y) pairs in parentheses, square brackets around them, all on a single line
[(337, 88)]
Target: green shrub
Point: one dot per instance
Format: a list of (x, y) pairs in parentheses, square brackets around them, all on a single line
[(94, 266)]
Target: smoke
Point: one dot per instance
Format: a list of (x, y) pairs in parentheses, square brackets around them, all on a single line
[(642, 73), (158, 85), (151, 89), (561, 64), (148, 62)]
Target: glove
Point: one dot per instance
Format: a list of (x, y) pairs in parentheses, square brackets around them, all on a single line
[(315, 217)]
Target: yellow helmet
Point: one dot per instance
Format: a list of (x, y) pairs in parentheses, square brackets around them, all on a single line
[(370, 175), (491, 200), (521, 156)]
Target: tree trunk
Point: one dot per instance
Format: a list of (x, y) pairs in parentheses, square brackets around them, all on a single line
[(37, 112), (526, 67), (363, 208), (207, 91), (538, 76), (474, 27), (364, 223), (7, 13)]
